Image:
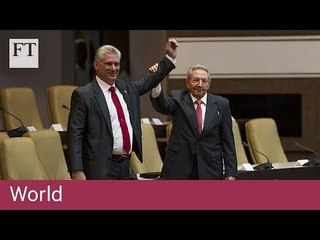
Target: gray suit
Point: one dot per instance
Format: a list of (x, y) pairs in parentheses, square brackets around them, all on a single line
[(90, 138), (210, 150)]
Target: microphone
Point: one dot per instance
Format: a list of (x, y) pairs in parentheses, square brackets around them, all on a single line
[(262, 166), (65, 106), (17, 132), (311, 162)]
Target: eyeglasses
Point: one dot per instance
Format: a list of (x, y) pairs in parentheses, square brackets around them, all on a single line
[(197, 81)]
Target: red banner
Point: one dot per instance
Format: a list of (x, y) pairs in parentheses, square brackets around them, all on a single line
[(160, 195)]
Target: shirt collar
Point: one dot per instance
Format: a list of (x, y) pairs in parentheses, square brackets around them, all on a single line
[(203, 99), (103, 85)]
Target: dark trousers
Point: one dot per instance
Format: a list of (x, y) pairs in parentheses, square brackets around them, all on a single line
[(194, 173), (119, 169)]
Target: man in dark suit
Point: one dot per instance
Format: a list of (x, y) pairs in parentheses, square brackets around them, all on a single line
[(95, 136), (203, 149)]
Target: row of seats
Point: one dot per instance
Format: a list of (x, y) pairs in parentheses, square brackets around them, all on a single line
[(263, 141), (37, 155), (21, 103), (21, 158)]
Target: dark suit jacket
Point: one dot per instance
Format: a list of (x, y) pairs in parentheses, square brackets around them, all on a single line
[(213, 148), (90, 139)]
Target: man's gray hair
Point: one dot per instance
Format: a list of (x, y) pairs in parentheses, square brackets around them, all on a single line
[(109, 49), (195, 67)]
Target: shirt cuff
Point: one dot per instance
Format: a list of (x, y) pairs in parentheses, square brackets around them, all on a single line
[(171, 59), (155, 92)]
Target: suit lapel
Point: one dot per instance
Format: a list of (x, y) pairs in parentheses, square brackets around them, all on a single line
[(99, 96), (211, 111), (126, 98), (190, 111)]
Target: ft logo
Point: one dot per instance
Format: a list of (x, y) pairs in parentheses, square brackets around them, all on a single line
[(23, 53)]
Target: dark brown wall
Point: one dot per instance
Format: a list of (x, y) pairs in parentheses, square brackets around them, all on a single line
[(146, 48), (120, 39)]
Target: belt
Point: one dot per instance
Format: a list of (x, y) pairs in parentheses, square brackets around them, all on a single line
[(121, 157)]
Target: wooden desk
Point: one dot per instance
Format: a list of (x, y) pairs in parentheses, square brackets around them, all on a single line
[(298, 173)]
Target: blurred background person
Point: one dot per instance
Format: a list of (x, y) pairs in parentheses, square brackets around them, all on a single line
[(83, 66)]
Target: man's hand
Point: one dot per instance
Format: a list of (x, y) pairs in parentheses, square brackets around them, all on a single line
[(153, 68), (230, 178), (78, 175), (171, 47)]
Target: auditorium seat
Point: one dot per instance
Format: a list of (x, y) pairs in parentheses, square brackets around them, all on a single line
[(264, 141), (19, 160), (59, 98), (50, 152), (3, 135), (152, 161), (168, 131), (135, 165), (20, 102), (240, 152)]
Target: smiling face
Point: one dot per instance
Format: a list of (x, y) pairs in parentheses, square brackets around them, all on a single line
[(107, 63), (198, 82), (107, 69)]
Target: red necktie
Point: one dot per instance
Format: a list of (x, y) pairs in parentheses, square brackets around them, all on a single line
[(122, 120), (199, 115)]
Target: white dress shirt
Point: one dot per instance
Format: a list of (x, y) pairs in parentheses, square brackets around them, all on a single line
[(116, 129)]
